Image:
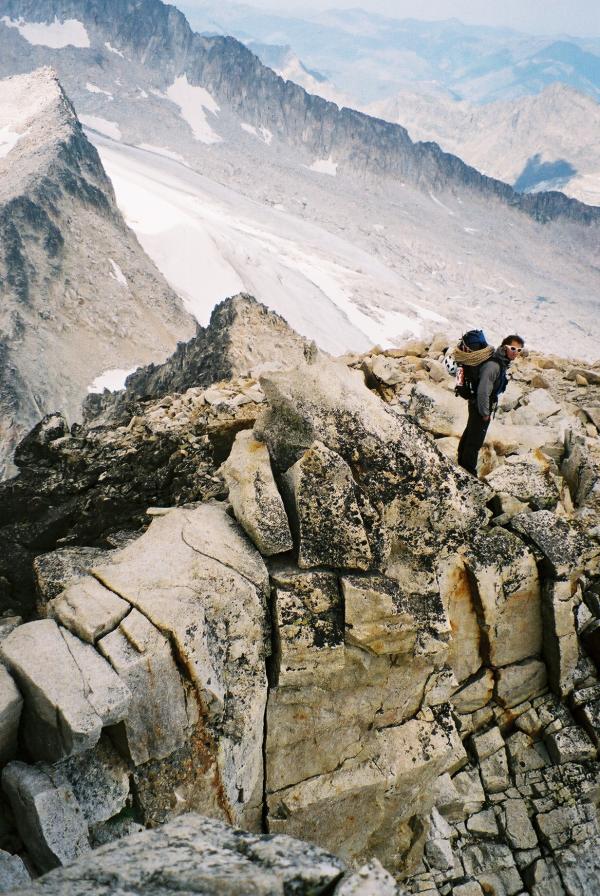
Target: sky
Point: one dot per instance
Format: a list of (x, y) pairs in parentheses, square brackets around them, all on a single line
[(575, 17)]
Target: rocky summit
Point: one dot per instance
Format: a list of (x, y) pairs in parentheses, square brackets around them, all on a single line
[(272, 603)]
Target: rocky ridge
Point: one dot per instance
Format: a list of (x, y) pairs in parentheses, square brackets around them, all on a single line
[(78, 294), (242, 339), (326, 630), (544, 142)]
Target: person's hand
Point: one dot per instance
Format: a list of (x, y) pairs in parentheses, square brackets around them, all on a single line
[(486, 418)]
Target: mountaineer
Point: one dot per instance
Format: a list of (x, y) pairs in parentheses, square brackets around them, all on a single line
[(485, 378)]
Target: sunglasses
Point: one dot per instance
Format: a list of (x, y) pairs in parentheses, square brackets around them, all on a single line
[(513, 348)]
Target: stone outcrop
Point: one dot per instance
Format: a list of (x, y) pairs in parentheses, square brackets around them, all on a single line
[(93, 485), (329, 527), (362, 647), (394, 466), (254, 496), (242, 339), (200, 855), (63, 713), (49, 818)]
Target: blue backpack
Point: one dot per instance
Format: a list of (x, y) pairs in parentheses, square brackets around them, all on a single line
[(467, 382), (467, 377)]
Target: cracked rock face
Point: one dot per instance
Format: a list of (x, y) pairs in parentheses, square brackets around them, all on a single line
[(66, 713), (198, 592), (330, 529), (362, 647)]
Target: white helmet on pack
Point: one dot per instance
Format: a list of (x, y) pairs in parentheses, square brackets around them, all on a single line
[(450, 364)]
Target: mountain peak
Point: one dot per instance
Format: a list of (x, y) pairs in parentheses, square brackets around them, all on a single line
[(77, 294), (27, 97), (243, 338)]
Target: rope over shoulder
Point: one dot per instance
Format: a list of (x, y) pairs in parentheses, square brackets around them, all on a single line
[(472, 359)]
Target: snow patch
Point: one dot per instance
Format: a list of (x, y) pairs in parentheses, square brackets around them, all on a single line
[(441, 204), (143, 94), (8, 139), (113, 380), (162, 151), (117, 274), (428, 314), (56, 35), (193, 104), (263, 134), (93, 89), (325, 166), (108, 128), (113, 50)]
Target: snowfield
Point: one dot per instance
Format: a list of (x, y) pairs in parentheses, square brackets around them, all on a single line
[(56, 35), (342, 281), (210, 243), (324, 166)]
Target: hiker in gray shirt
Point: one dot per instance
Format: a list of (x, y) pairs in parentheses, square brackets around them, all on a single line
[(486, 382)]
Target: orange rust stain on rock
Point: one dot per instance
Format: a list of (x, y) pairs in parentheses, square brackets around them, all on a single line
[(192, 774)]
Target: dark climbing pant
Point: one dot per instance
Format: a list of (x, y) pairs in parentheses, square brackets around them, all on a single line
[(472, 439)]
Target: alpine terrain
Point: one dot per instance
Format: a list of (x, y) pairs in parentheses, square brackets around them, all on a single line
[(518, 107), (235, 180), (78, 296), (295, 649), (545, 142), (259, 633)]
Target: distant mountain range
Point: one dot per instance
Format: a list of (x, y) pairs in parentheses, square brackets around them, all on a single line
[(532, 116), (550, 141), (143, 66), (370, 57), (544, 141)]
